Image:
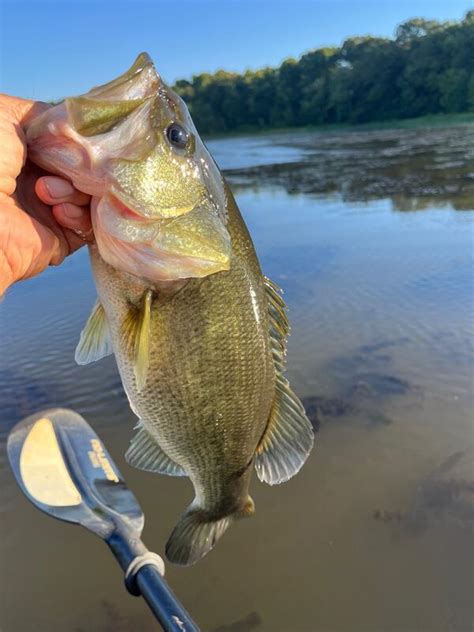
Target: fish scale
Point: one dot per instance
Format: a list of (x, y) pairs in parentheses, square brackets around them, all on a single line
[(217, 369)]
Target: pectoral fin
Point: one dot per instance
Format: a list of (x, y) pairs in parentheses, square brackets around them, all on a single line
[(288, 438), (136, 338), (145, 453), (94, 342)]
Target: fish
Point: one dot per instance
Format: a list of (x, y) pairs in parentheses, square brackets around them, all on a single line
[(198, 332)]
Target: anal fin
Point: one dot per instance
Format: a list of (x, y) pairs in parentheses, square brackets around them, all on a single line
[(94, 342), (145, 454)]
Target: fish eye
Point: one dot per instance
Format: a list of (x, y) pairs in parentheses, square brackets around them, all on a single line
[(177, 136)]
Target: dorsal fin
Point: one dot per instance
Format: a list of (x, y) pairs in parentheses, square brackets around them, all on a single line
[(288, 437), (136, 337), (94, 342)]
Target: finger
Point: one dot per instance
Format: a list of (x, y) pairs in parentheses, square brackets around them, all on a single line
[(23, 109), (75, 218), (52, 190)]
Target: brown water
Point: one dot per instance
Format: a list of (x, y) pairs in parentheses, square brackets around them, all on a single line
[(376, 532)]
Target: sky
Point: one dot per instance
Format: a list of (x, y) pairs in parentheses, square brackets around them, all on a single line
[(51, 49)]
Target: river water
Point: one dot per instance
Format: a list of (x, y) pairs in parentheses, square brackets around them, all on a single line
[(370, 235)]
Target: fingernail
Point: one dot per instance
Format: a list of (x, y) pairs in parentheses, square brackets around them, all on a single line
[(58, 188), (71, 211)]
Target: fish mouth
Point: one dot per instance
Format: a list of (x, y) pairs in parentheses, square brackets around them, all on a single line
[(132, 209), (199, 234), (193, 245)]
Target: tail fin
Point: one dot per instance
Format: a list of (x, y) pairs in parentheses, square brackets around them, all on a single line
[(196, 533)]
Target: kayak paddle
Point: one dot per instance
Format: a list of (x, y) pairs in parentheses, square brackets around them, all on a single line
[(65, 470)]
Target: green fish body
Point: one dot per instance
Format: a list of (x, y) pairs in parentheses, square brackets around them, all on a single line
[(200, 351)]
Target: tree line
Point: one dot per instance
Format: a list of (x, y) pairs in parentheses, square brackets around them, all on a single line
[(427, 68)]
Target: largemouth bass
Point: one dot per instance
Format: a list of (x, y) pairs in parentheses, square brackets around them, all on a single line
[(199, 334)]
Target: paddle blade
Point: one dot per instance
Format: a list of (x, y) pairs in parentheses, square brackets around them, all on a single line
[(64, 469)]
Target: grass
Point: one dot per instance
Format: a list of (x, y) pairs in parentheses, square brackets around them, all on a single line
[(431, 120)]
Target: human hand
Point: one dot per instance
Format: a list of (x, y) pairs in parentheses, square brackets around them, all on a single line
[(43, 218)]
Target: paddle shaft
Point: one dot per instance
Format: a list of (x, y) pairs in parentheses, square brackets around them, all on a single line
[(162, 602), (126, 545)]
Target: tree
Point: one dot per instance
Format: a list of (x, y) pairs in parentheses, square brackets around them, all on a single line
[(415, 28), (427, 68)]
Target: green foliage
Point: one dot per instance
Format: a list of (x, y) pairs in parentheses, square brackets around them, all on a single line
[(428, 68)]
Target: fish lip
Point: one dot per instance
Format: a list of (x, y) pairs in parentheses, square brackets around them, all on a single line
[(124, 208), (136, 210), (179, 238), (206, 266), (191, 267)]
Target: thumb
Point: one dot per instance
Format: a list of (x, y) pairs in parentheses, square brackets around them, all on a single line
[(22, 109)]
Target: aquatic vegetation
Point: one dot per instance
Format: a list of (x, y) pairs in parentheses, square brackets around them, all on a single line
[(445, 495), (416, 169)]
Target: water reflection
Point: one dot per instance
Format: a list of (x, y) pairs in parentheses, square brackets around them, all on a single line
[(376, 531)]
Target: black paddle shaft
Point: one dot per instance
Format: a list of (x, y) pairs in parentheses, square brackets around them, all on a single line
[(126, 546)]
